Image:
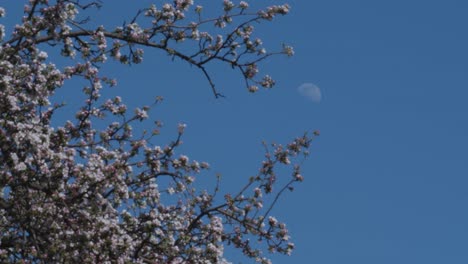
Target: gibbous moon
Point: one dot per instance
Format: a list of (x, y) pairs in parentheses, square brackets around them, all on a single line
[(311, 92)]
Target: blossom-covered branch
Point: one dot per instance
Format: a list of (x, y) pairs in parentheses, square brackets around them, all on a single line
[(160, 28), (90, 190)]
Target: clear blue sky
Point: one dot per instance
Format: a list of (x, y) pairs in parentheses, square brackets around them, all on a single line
[(387, 179)]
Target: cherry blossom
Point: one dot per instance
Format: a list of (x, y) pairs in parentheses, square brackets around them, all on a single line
[(93, 190)]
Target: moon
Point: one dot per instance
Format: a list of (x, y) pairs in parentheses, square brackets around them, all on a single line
[(311, 92)]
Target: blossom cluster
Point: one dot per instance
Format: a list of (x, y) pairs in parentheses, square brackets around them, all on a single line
[(90, 190)]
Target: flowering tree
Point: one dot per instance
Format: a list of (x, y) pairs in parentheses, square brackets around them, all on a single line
[(75, 193)]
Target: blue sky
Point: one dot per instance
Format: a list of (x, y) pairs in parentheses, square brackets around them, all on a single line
[(386, 181)]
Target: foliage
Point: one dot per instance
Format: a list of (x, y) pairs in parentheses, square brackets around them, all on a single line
[(75, 193)]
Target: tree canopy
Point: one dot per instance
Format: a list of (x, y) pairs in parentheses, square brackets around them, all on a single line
[(92, 190)]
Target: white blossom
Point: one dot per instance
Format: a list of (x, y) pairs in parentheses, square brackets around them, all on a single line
[(98, 188)]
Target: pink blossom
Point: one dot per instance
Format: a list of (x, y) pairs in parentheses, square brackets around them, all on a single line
[(97, 189)]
